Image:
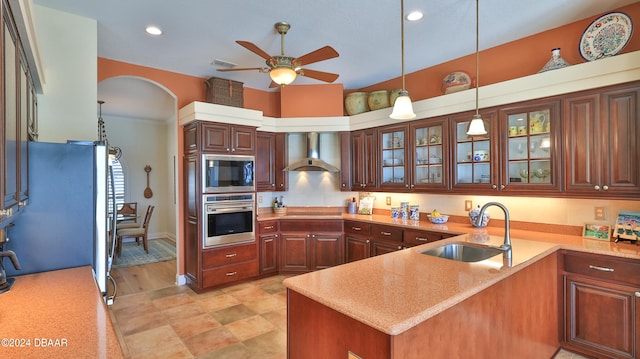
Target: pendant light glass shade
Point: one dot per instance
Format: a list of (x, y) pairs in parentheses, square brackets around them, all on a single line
[(402, 108), (282, 75), (476, 127)]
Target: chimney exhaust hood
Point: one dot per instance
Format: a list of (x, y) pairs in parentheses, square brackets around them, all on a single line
[(312, 162)]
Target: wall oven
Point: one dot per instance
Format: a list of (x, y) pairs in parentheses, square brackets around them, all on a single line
[(228, 219), (227, 173)]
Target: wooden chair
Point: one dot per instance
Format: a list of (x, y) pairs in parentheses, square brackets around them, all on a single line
[(137, 233), (127, 215)]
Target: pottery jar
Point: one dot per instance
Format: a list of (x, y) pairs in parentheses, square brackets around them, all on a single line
[(378, 100), (356, 102)]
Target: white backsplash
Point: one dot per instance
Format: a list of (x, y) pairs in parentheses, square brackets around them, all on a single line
[(317, 189)]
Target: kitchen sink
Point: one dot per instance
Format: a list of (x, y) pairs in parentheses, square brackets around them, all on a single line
[(463, 252)]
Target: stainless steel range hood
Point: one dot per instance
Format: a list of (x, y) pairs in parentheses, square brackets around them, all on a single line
[(312, 162)]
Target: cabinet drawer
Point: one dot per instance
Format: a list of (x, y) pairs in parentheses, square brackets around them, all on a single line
[(267, 227), (420, 237), (229, 255), (311, 225), (230, 273), (357, 228), (603, 267), (386, 232)]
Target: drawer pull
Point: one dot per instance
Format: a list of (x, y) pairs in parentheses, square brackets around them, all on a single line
[(602, 269), (268, 227), (385, 233), (356, 228), (422, 239), (229, 274), (231, 255)]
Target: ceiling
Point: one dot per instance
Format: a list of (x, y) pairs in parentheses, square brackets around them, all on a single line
[(366, 34)]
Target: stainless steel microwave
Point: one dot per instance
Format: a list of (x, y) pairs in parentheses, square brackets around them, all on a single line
[(227, 173)]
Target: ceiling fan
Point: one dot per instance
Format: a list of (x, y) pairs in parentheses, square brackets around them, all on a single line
[(282, 69)]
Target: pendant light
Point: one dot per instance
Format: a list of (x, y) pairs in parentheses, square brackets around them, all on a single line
[(476, 127), (402, 108)]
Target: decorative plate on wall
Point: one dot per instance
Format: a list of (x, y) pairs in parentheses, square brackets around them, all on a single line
[(606, 36)]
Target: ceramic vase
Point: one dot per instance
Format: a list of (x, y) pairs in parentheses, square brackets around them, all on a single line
[(555, 62), (378, 99), (356, 102)]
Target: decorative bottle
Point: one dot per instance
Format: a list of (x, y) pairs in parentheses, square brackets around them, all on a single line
[(555, 62)]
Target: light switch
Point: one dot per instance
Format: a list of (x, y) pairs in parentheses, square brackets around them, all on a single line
[(388, 200), (468, 204), (599, 213)]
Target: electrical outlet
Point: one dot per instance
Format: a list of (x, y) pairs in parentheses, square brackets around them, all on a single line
[(468, 205), (388, 200), (259, 199), (599, 213)]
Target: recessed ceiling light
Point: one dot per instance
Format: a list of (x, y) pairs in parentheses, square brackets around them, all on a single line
[(415, 15), (153, 30)]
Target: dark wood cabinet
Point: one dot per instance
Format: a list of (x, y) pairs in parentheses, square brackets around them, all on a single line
[(345, 161), (412, 237), (207, 268), (429, 157), (357, 236), (385, 239), (394, 170), (271, 159), (602, 143), (18, 102), (307, 245), (364, 163), (601, 305), (268, 237)]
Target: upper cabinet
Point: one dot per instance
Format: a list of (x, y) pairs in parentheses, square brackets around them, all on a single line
[(220, 138), (364, 145), (271, 159), (530, 138), (430, 155), (602, 142), (393, 156), (18, 122), (475, 158)]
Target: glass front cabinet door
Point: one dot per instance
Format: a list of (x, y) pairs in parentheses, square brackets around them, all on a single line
[(430, 158), (529, 145), (474, 157), (393, 157)]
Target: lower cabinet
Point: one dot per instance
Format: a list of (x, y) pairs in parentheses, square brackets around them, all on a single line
[(268, 237), (308, 245), (357, 236), (385, 239), (228, 264), (601, 305)]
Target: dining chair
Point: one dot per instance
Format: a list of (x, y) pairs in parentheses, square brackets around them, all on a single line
[(127, 215), (137, 233)]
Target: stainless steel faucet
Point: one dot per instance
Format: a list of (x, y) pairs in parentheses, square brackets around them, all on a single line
[(506, 246)]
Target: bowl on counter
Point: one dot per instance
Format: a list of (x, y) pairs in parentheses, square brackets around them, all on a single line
[(438, 220)]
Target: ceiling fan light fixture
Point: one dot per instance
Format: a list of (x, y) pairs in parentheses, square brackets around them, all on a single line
[(282, 75), (402, 108)]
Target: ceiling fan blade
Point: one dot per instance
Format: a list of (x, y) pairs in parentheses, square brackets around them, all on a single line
[(320, 54), (254, 48), (319, 75), (261, 69)]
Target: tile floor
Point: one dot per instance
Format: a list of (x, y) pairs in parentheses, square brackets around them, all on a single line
[(244, 321), (155, 319)]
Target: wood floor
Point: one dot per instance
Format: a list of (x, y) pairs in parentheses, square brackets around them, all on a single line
[(142, 278)]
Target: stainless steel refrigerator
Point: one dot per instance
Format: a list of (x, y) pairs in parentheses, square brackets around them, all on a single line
[(66, 222)]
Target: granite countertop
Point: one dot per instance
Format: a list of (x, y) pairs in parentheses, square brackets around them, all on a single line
[(57, 314), (396, 291)]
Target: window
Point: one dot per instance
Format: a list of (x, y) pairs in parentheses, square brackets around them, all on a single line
[(118, 181)]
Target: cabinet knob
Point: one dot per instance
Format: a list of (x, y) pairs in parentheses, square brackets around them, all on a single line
[(605, 188), (367, 241), (233, 150), (228, 150), (406, 186), (596, 187), (501, 186), (399, 247), (494, 186), (637, 294), (413, 185), (273, 185)]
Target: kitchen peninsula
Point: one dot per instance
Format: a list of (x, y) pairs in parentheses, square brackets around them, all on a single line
[(409, 305)]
